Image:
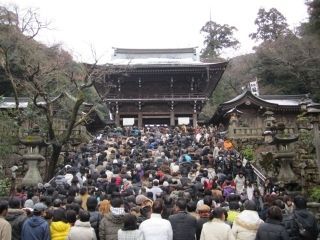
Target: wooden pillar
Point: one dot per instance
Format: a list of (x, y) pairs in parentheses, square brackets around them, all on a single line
[(140, 120), (172, 120), (117, 120), (195, 119)]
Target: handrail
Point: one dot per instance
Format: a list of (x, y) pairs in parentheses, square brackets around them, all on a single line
[(258, 174)]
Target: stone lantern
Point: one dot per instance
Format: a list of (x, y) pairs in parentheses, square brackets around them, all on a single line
[(32, 141), (313, 111), (269, 125)]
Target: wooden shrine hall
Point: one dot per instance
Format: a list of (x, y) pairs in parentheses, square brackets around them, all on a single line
[(158, 86)]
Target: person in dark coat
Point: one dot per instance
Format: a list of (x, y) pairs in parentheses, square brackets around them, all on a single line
[(272, 229), (183, 224), (16, 218), (95, 216), (204, 214), (305, 218)]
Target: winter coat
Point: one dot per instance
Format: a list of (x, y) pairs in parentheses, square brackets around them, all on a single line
[(59, 230), (272, 230), (289, 222), (5, 229), (35, 228), (216, 230), (16, 218), (183, 226), (130, 235), (200, 223), (81, 231), (109, 226), (246, 225), (308, 221), (95, 219)]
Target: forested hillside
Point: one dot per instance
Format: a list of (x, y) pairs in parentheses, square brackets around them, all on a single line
[(285, 61)]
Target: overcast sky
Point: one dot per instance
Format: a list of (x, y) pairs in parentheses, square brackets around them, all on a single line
[(103, 24)]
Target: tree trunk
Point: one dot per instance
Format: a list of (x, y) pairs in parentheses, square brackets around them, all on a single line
[(56, 150)]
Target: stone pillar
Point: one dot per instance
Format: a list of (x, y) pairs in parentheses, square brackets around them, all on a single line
[(140, 120), (172, 120), (195, 119), (317, 142), (117, 120)]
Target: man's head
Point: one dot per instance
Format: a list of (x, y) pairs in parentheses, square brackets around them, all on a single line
[(218, 213), (84, 216), (116, 202), (181, 204), (250, 205), (300, 202), (14, 203), (157, 206), (92, 204), (3, 208)]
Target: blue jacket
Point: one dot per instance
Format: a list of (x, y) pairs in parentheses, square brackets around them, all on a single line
[(35, 228)]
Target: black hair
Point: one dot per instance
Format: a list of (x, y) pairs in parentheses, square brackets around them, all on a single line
[(116, 202), (217, 213), (234, 205), (92, 204), (300, 202), (129, 222), (71, 216), (274, 212), (157, 206), (84, 216), (207, 200), (250, 205), (181, 204), (3, 206), (15, 203), (59, 215), (192, 206)]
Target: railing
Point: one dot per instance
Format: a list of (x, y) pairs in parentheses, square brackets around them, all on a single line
[(155, 96), (260, 176)]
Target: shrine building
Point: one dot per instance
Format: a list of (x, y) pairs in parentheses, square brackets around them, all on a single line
[(158, 86)]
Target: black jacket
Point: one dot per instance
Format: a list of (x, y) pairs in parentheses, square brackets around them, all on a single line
[(183, 226), (272, 230), (16, 218), (292, 228), (308, 221)]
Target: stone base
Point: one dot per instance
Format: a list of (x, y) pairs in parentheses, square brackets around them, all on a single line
[(32, 177)]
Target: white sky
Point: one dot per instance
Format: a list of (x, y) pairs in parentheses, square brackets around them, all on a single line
[(103, 24)]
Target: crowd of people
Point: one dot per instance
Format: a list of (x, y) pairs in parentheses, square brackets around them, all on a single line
[(156, 183)]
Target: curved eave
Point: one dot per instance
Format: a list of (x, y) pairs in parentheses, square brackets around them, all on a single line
[(248, 96)]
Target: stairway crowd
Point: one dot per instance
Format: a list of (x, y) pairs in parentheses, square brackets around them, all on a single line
[(156, 183)]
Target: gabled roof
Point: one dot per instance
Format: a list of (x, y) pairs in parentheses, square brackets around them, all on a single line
[(271, 101)]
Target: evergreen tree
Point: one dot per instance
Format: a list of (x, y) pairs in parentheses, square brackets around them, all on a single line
[(270, 25), (217, 37)]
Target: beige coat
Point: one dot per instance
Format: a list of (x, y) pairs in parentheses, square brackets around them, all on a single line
[(5, 229), (216, 230), (246, 224)]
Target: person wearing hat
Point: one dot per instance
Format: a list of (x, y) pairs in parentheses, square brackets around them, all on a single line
[(36, 227)]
